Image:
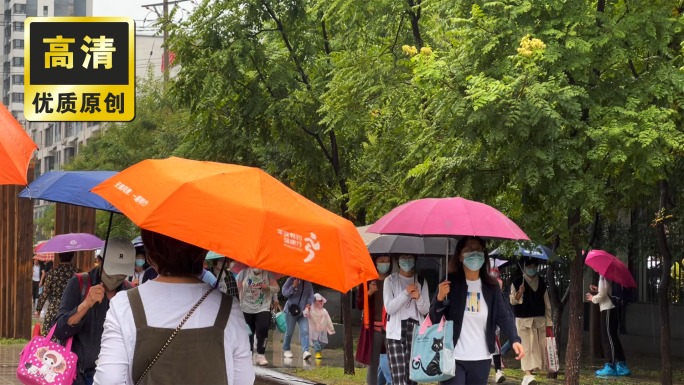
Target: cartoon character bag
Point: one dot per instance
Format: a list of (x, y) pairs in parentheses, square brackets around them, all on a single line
[(45, 362), (432, 352)]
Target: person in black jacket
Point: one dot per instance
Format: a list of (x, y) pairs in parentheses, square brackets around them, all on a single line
[(476, 306)]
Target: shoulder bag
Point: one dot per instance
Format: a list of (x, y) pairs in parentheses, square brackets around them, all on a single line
[(296, 309)]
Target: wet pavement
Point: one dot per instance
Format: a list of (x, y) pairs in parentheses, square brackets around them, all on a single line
[(273, 373)]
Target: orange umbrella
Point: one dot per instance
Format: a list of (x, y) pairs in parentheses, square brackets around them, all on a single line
[(245, 214), (16, 150)]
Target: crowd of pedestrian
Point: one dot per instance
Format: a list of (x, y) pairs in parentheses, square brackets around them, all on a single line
[(118, 339)]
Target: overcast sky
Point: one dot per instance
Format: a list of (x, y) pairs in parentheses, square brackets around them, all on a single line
[(134, 9)]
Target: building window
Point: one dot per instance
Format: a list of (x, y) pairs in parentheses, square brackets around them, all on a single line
[(15, 114), (18, 80), (58, 132), (5, 100), (8, 48), (17, 97), (20, 9), (49, 163), (17, 62), (6, 84), (18, 43), (49, 135), (79, 127), (68, 154), (68, 129), (45, 11), (18, 26), (37, 170)]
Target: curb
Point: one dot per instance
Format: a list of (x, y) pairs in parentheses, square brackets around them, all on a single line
[(273, 377)]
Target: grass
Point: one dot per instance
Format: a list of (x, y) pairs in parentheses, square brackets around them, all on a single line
[(331, 376), (10, 341)]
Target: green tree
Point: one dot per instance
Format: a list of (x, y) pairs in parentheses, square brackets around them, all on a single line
[(46, 225), (159, 130)]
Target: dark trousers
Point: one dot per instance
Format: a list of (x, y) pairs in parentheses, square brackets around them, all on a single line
[(36, 289), (258, 324), (497, 361), (612, 348), (470, 373)]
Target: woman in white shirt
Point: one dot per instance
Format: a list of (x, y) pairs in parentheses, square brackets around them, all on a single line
[(616, 364), (406, 303), (212, 347), (476, 307), (257, 288)]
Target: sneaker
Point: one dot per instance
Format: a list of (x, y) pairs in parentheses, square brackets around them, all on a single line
[(261, 360), (500, 378), (288, 354), (622, 369), (529, 380), (318, 355), (307, 355), (608, 370)]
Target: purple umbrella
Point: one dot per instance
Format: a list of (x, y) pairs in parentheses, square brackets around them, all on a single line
[(72, 242)]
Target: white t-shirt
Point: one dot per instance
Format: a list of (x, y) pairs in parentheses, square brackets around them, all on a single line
[(36, 273), (253, 297), (166, 305), (472, 343)]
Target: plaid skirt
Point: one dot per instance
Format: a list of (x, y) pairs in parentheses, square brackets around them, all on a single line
[(399, 354)]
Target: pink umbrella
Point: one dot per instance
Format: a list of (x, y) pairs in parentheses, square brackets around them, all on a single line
[(449, 217), (239, 266), (610, 267)]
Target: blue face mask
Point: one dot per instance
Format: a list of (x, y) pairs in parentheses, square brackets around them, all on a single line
[(407, 264), (531, 271), (474, 260), (383, 268), (140, 262)]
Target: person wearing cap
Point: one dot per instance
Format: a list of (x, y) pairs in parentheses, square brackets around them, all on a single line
[(82, 311)]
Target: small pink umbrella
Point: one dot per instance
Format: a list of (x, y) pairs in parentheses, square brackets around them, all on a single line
[(610, 267), (449, 217), (239, 266)]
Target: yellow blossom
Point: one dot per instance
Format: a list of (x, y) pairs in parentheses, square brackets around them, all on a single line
[(426, 51), (410, 51), (528, 46)]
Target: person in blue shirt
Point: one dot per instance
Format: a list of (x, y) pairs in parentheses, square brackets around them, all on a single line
[(300, 297)]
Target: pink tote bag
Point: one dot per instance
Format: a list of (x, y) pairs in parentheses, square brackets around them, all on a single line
[(44, 362)]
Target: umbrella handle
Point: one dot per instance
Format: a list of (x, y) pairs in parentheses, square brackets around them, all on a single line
[(446, 274)]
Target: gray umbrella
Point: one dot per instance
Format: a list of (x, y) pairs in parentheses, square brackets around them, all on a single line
[(398, 244)]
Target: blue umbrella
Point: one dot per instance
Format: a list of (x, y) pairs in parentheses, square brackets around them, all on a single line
[(71, 187)]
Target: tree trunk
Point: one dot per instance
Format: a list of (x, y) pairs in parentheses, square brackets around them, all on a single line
[(664, 289), (576, 303), (348, 334), (575, 330)]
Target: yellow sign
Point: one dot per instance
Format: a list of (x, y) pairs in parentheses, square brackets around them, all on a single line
[(79, 69)]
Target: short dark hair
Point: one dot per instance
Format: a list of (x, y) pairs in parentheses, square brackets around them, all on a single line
[(66, 257), (170, 256)]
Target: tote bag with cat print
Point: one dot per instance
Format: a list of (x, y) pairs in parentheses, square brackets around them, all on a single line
[(432, 352)]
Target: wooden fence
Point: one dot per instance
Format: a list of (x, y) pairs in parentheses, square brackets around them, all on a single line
[(16, 261), (75, 219)]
